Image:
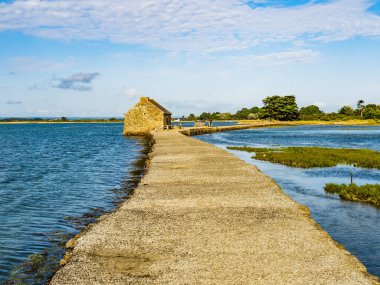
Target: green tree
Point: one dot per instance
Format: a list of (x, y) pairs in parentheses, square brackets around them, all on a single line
[(254, 110), (311, 112), (223, 116), (191, 117), (346, 110), (372, 111), (361, 107), (283, 108), (244, 113), (205, 116), (215, 116)]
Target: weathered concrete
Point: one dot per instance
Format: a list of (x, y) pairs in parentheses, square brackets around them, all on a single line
[(203, 216)]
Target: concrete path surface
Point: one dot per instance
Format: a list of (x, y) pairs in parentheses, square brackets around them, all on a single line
[(203, 216)]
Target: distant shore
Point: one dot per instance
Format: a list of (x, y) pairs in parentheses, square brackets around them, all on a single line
[(239, 122), (61, 122), (317, 122)]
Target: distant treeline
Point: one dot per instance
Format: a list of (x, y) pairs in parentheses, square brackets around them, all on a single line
[(285, 108), (60, 120)]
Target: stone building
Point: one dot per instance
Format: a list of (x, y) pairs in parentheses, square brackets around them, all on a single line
[(145, 116)]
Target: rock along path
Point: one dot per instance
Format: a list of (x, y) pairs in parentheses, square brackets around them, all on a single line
[(203, 216)]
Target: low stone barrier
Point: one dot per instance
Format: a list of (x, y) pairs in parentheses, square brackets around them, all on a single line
[(206, 130)]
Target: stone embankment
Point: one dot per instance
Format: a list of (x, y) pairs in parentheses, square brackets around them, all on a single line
[(207, 130), (203, 216)]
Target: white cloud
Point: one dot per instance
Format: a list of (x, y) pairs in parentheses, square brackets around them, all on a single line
[(284, 57), (206, 25), (79, 81)]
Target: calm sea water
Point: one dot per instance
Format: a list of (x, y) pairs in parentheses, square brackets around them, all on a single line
[(53, 179), (354, 225)]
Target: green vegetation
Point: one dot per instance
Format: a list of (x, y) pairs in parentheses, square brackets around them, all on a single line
[(284, 108), (369, 193), (361, 107), (250, 114), (307, 157), (59, 120), (311, 112), (347, 111), (371, 111)]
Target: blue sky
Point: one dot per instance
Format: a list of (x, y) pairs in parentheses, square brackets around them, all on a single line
[(93, 58)]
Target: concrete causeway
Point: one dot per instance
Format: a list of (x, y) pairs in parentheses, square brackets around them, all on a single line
[(203, 216)]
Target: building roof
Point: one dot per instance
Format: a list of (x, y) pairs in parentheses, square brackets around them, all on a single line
[(166, 112)]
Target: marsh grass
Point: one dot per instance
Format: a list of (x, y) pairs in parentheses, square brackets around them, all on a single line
[(369, 193), (307, 157)]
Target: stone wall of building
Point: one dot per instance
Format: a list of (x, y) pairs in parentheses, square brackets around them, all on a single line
[(143, 118)]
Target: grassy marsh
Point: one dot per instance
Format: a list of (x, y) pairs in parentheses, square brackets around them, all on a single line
[(307, 157), (369, 193)]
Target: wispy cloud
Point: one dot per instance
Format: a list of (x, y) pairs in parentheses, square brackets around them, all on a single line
[(177, 25), (79, 82), (285, 57), (13, 102)]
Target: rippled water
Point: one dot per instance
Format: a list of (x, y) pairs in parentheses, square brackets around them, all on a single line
[(354, 225), (52, 173)]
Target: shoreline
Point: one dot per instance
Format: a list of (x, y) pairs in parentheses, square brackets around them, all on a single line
[(97, 235)]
